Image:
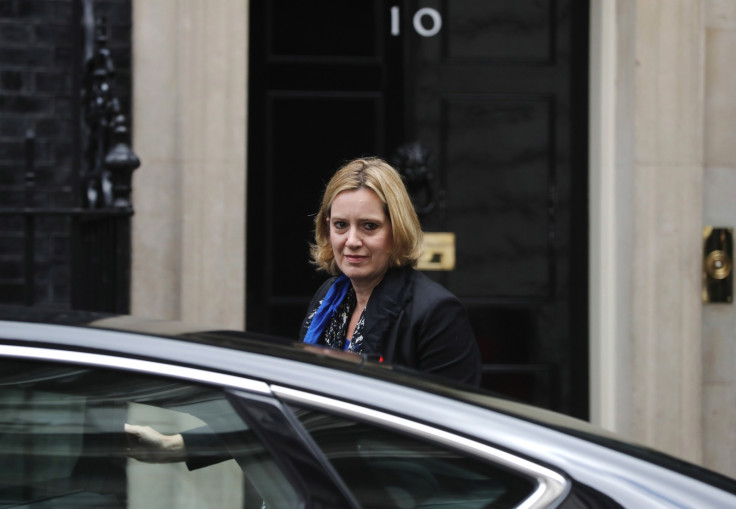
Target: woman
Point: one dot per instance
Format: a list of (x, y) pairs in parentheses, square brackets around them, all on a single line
[(367, 235)]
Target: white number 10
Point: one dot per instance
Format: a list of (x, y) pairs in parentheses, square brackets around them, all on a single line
[(434, 16)]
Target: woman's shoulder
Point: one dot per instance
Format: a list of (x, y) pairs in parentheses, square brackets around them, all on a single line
[(426, 289), (429, 300)]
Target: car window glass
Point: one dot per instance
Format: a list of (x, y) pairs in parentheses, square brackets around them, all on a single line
[(62, 443), (388, 469)]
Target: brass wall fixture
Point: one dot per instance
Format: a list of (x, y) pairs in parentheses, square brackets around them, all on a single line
[(717, 264)]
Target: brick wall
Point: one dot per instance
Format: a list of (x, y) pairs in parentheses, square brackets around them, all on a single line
[(40, 69)]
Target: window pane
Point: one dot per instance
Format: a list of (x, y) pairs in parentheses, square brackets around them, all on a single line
[(62, 443), (387, 469)]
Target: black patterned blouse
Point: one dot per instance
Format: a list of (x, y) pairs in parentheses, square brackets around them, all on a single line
[(334, 335)]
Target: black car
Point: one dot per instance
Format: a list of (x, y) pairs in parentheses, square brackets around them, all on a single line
[(280, 424)]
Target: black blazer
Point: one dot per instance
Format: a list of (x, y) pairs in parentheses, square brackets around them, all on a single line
[(412, 321)]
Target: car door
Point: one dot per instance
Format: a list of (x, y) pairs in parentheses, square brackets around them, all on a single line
[(391, 461), (62, 442)]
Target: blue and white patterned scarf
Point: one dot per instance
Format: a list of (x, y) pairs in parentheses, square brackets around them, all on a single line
[(328, 323)]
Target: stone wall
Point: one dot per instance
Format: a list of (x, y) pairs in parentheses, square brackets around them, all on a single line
[(719, 209)]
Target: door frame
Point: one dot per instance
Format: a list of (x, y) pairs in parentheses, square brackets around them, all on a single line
[(611, 191)]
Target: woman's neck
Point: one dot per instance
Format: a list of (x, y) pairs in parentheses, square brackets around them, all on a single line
[(362, 295)]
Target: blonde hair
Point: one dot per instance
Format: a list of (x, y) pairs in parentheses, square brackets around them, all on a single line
[(381, 178)]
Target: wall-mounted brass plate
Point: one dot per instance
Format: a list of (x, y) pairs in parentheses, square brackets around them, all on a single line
[(717, 264), (439, 252)]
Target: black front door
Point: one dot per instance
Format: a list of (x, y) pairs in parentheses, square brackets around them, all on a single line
[(492, 97)]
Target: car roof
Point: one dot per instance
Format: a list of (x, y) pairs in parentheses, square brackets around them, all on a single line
[(245, 341), (184, 349), (187, 335), (272, 358)]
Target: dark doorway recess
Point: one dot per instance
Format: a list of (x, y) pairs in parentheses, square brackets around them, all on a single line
[(492, 98)]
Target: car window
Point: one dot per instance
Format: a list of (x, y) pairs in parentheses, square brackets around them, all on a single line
[(388, 469), (62, 443)]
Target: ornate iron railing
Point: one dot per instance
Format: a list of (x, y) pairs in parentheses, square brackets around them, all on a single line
[(98, 227)]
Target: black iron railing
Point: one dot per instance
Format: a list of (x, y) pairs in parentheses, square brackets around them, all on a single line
[(99, 248), (97, 230)]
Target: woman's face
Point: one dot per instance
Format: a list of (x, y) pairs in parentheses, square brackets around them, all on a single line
[(361, 236)]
